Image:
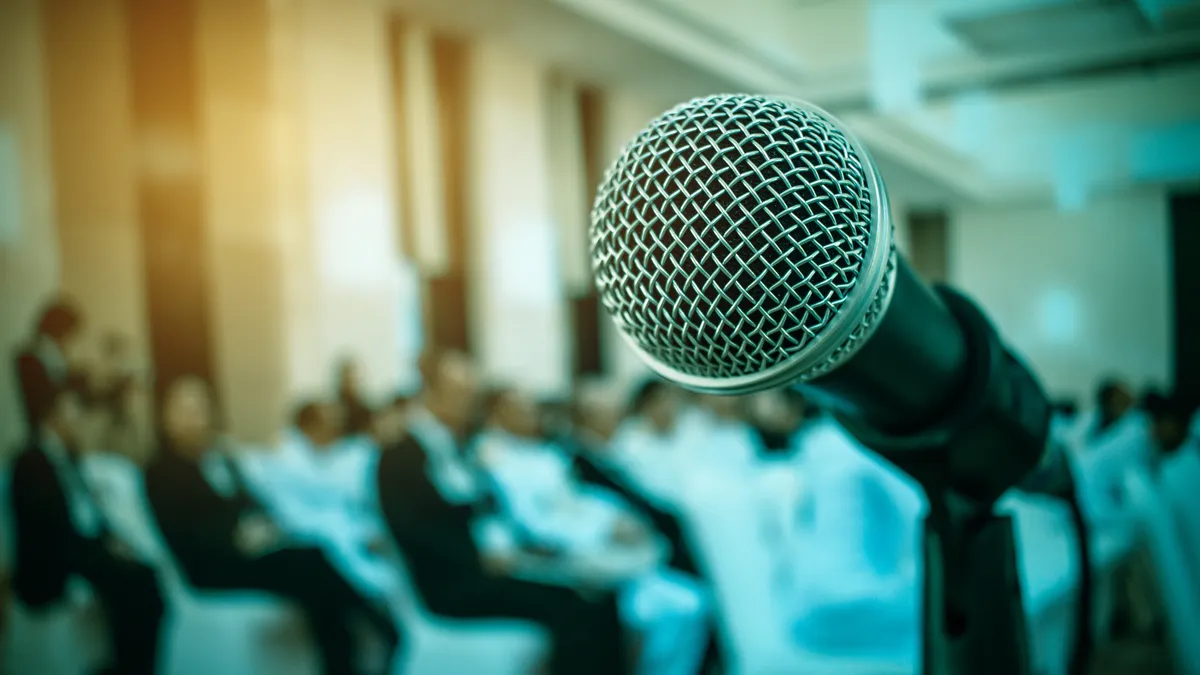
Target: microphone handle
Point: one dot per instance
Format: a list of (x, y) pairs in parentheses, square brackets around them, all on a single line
[(935, 390), (909, 371), (987, 436)]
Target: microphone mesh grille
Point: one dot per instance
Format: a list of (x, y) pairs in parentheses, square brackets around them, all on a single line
[(729, 233)]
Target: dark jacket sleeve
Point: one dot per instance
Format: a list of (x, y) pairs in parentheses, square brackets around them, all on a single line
[(667, 524), (196, 524), (37, 388), (44, 532)]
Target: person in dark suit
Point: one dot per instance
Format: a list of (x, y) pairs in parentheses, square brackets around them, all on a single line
[(44, 367), (61, 532), (223, 539), (430, 500)]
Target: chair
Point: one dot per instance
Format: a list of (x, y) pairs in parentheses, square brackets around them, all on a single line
[(226, 632), (35, 640), (438, 645)]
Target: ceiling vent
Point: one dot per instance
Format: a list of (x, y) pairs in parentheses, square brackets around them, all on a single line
[(1018, 27)]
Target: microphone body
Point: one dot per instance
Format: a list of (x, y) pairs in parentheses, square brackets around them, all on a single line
[(742, 243)]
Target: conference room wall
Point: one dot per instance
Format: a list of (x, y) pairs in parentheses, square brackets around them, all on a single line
[(29, 257), (1080, 294), (89, 114), (520, 320), (335, 192)]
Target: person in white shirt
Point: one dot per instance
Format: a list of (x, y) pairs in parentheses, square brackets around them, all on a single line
[(436, 510), (715, 432), (538, 491), (1179, 476), (645, 447), (317, 484), (857, 588)]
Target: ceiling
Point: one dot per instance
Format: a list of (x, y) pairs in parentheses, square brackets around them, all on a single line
[(982, 100)]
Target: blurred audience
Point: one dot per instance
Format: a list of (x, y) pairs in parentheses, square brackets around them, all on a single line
[(62, 532), (434, 502), (116, 400), (645, 446), (591, 528), (778, 416), (1114, 399), (576, 515), (47, 365), (222, 537)]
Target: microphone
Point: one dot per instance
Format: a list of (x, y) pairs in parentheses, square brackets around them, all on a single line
[(743, 243)]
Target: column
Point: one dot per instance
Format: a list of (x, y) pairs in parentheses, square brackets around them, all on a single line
[(29, 265), (245, 239), (337, 193), (166, 117), (517, 291), (91, 133)]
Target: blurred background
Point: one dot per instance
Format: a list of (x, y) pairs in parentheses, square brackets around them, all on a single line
[(258, 192)]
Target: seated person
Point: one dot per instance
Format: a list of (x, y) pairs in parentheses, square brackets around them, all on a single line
[(431, 502), (322, 469), (714, 432), (539, 494), (61, 532), (645, 448), (594, 424), (316, 485), (858, 587), (222, 538)]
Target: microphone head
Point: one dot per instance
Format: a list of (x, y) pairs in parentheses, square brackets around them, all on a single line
[(742, 243)]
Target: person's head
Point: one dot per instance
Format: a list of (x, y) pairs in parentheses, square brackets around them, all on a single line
[(389, 424), (554, 418), (596, 415), (1113, 399), (777, 411), (450, 388), (61, 322), (724, 407), (320, 422), (63, 416), (513, 411), (187, 416), (1169, 422), (657, 403)]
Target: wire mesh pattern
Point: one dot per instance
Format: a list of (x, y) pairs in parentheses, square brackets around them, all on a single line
[(728, 234)]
